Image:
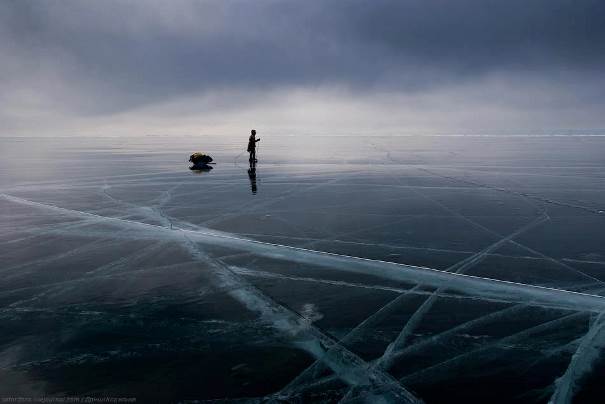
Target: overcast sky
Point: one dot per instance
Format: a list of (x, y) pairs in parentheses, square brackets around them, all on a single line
[(364, 67)]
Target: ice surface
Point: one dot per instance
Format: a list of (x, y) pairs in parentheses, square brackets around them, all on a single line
[(400, 269)]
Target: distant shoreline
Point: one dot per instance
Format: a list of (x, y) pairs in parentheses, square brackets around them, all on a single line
[(307, 135)]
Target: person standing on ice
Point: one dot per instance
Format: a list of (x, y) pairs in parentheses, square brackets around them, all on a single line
[(252, 146)]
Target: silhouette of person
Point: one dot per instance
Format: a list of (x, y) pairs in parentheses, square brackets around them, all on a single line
[(252, 176), (252, 146)]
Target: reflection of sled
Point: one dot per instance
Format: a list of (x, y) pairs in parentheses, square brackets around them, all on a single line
[(200, 167)]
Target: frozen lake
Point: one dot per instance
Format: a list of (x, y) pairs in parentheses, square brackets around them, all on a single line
[(408, 268)]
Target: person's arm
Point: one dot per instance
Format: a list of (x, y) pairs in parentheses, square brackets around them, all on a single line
[(257, 140)]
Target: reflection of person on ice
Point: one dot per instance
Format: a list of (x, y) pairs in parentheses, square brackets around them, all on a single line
[(252, 146)]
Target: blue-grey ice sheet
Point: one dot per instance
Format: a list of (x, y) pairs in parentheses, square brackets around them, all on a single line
[(406, 268)]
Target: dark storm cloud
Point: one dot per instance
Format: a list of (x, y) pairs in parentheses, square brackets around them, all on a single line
[(148, 50), (87, 59), (489, 33)]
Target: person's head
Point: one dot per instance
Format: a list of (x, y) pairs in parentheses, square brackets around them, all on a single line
[(253, 132)]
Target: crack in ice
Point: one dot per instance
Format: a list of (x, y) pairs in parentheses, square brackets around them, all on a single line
[(468, 284)]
